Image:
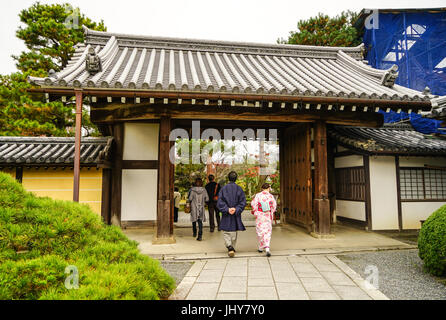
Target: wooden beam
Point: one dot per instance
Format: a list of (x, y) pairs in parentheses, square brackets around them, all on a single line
[(398, 193), (112, 112), (77, 145), (140, 164), (105, 198), (368, 195), (164, 230), (321, 202), (19, 174), (118, 134)]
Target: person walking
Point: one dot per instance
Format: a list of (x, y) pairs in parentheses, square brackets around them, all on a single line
[(263, 207), (213, 188), (176, 201), (198, 197), (231, 203)]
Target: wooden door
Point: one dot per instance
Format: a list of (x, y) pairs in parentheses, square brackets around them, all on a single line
[(296, 175)]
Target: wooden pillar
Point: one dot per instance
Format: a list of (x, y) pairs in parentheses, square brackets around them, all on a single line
[(105, 199), (164, 221), (116, 174), (321, 203), (19, 174), (398, 192), (77, 145)]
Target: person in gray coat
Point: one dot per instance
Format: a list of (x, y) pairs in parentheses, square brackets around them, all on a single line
[(198, 197)]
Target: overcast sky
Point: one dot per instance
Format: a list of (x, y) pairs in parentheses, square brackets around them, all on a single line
[(236, 20)]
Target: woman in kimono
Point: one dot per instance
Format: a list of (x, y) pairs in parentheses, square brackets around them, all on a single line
[(263, 207)]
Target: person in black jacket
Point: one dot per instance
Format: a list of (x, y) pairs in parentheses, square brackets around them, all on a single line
[(213, 188)]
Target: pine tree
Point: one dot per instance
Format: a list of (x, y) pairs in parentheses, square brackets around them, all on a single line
[(50, 33), (322, 30)]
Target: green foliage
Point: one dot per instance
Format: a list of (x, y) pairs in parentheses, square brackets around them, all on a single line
[(50, 42), (24, 115), (323, 30), (50, 32), (432, 243), (40, 237)]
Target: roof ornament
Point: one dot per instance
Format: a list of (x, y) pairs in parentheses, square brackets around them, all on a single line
[(427, 91), (388, 78), (93, 62)]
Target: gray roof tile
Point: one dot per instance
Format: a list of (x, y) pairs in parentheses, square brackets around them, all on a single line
[(389, 139), (52, 150), (173, 64)]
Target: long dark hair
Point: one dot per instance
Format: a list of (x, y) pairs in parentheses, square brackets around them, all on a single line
[(265, 186), (198, 182)]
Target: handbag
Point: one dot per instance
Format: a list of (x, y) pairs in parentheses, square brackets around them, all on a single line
[(215, 191), (187, 207)]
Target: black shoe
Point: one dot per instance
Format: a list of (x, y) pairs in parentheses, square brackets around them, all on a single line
[(194, 235), (268, 254), (258, 250), (211, 230), (199, 238), (231, 251)]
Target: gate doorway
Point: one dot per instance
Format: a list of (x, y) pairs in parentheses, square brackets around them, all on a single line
[(294, 167)]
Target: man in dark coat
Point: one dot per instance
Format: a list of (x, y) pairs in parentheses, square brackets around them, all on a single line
[(231, 203), (213, 188)]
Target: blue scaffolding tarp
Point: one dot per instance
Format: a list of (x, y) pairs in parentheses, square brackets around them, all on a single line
[(414, 40)]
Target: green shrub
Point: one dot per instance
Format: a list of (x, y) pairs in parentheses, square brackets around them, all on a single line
[(432, 243), (40, 237)]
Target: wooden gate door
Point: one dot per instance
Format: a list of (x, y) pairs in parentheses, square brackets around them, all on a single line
[(295, 166)]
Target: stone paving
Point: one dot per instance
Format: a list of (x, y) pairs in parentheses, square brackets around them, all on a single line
[(312, 277)]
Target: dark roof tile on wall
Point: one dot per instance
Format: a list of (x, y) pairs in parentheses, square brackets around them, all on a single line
[(389, 139), (52, 150)]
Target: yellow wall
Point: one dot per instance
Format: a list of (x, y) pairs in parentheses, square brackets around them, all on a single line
[(58, 184)]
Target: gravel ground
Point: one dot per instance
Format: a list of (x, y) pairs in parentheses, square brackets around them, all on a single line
[(401, 275), (176, 269)]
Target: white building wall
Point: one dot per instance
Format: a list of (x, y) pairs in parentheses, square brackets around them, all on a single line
[(351, 209), (141, 141), (413, 212), (383, 193), (140, 186), (139, 194), (349, 161)]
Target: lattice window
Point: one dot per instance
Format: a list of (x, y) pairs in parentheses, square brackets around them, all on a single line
[(422, 184), (350, 184)]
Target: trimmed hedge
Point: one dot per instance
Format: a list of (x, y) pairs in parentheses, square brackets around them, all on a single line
[(40, 237), (432, 243)]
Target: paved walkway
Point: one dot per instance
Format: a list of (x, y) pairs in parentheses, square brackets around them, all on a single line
[(286, 239), (290, 277)]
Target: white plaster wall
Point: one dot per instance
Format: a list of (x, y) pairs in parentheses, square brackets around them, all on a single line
[(413, 212), (139, 194), (421, 161), (349, 161), (383, 192), (351, 209), (141, 141)]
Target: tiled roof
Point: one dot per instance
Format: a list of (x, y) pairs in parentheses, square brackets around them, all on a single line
[(171, 64), (389, 139), (51, 150)]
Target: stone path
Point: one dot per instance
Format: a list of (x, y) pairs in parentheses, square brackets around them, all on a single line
[(316, 277)]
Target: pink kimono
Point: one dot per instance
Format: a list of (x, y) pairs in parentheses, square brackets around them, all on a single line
[(263, 219)]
